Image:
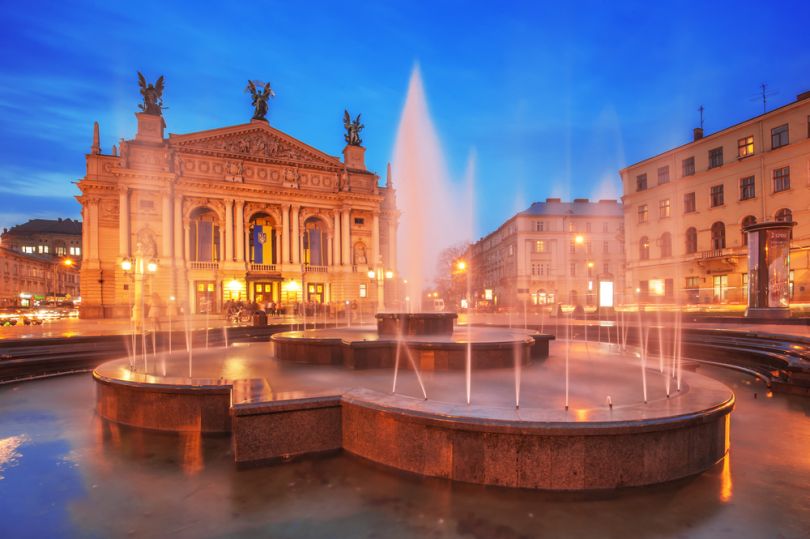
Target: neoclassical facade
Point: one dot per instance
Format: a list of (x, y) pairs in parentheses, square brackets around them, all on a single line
[(244, 212), (553, 252), (685, 209)]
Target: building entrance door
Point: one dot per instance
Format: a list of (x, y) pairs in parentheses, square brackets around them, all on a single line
[(204, 296), (720, 288), (315, 292), (264, 291)]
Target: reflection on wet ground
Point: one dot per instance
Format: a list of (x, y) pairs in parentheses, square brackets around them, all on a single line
[(66, 473)]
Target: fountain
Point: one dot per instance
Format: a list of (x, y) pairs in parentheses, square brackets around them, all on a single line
[(572, 418)]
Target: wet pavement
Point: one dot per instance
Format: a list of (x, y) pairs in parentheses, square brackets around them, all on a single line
[(66, 473)]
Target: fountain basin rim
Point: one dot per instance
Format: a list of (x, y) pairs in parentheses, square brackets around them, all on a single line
[(371, 399)]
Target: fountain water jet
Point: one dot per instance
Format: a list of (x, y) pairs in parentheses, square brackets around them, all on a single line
[(418, 168)]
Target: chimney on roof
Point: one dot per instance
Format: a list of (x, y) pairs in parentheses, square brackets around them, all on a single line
[(697, 133), (388, 182), (802, 96), (608, 201), (550, 200), (95, 149), (580, 200)]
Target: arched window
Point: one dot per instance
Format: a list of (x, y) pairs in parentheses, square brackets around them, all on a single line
[(666, 245), (691, 240), (203, 240), (747, 221), (262, 239), (315, 242), (644, 248), (718, 236)]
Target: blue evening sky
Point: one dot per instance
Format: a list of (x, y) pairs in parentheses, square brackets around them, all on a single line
[(553, 97)]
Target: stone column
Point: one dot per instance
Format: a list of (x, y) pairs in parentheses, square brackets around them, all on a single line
[(336, 240), (123, 222), (296, 235), (167, 226), (346, 240), (228, 248), (178, 227), (187, 233), (93, 228), (375, 260), (285, 234), (85, 230), (221, 244), (240, 231), (278, 246), (392, 244), (329, 252)]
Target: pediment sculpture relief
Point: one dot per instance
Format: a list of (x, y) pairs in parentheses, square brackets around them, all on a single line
[(257, 145)]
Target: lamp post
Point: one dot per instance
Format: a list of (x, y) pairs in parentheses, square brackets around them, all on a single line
[(126, 267), (380, 276)]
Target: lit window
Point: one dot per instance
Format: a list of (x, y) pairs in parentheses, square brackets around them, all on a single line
[(747, 188), (745, 146), (663, 208), (539, 246), (779, 136), (363, 291), (781, 179)]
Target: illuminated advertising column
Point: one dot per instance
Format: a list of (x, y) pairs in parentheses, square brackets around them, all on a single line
[(769, 269)]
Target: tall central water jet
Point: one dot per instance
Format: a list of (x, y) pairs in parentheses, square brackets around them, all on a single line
[(431, 217)]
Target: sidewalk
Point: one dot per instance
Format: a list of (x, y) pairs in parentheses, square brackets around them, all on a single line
[(534, 320), (75, 327)]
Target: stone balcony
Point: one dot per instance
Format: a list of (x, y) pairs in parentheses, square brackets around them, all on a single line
[(197, 265), (263, 268)]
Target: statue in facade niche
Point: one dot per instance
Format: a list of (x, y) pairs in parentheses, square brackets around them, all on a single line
[(353, 129), (259, 98), (152, 95)]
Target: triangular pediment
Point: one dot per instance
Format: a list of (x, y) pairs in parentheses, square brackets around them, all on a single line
[(254, 141)]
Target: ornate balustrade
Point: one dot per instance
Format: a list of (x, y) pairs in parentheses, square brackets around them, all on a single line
[(197, 265)]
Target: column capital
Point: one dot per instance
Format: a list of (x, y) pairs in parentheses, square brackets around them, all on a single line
[(123, 189), (228, 202)]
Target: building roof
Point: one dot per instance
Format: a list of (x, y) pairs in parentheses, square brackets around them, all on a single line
[(801, 99), (48, 226), (580, 207)]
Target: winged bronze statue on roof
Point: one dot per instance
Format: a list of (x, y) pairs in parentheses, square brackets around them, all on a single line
[(353, 128), (152, 95), (260, 96)]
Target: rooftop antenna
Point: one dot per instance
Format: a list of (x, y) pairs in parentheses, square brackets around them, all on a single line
[(764, 94), (701, 109)]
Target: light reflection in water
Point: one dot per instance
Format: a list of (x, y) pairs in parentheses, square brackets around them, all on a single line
[(726, 485), (8, 451)]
